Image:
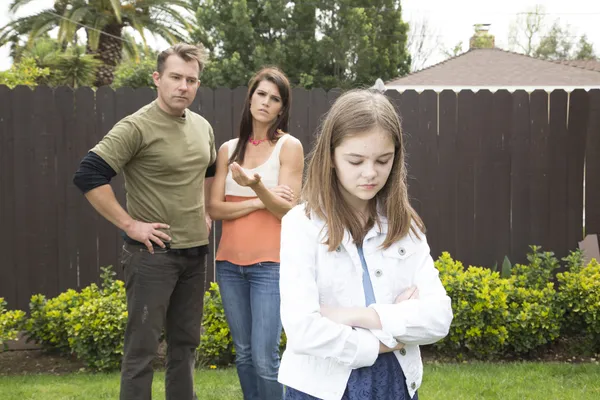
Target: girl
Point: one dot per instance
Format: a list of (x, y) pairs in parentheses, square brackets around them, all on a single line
[(256, 178), (359, 290)]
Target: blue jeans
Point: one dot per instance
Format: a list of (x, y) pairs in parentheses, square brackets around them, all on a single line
[(250, 296)]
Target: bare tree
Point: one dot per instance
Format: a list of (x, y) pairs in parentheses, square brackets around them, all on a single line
[(526, 30), (422, 43), (529, 35), (452, 52)]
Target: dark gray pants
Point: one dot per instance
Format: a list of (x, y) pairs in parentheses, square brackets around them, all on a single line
[(163, 289)]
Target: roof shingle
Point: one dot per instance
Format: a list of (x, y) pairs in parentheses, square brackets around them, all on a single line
[(496, 67)]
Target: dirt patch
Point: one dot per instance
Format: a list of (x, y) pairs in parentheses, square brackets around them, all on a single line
[(29, 362), (562, 351)]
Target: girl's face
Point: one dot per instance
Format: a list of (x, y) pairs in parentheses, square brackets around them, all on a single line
[(266, 103), (363, 163)]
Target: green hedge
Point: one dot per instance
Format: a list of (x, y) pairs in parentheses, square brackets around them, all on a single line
[(216, 344), (11, 322), (522, 311), (89, 324), (480, 306), (512, 313), (579, 297)]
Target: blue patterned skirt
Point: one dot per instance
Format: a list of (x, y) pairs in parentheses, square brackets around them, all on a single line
[(384, 380)]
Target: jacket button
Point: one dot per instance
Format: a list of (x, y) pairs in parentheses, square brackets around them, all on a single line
[(403, 351), (378, 273), (402, 251), (339, 248), (413, 386)]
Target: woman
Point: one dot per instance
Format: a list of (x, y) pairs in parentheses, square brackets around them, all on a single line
[(359, 290), (255, 183)]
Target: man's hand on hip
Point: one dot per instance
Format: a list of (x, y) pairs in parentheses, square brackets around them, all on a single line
[(147, 233)]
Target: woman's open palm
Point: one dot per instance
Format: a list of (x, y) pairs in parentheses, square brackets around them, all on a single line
[(240, 176)]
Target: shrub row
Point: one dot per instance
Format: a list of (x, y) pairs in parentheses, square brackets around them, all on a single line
[(514, 312)]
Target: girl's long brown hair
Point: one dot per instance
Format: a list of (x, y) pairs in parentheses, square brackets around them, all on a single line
[(357, 111), (274, 75)]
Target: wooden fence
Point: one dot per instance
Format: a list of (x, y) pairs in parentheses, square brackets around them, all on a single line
[(490, 173)]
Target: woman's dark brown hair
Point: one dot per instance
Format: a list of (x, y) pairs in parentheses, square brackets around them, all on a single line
[(274, 75)]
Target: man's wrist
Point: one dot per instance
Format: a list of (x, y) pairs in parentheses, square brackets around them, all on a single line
[(127, 224)]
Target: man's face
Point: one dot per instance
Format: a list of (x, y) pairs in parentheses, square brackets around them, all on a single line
[(177, 85)]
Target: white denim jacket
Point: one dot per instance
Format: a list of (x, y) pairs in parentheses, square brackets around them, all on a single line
[(320, 353)]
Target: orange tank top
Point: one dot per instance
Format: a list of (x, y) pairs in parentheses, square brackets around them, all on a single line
[(254, 237)]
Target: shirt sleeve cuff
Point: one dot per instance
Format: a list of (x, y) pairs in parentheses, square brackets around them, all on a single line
[(393, 317), (367, 349), (385, 337)]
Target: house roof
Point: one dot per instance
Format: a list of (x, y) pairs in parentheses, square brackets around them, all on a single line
[(592, 65), (501, 68)]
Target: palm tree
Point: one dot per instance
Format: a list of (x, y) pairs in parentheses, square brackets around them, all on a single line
[(103, 22)]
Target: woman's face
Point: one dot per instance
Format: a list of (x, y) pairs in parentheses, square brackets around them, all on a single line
[(266, 102)]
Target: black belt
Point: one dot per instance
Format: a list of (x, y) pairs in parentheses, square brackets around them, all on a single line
[(189, 252)]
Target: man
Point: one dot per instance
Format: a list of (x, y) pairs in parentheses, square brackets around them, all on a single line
[(166, 153)]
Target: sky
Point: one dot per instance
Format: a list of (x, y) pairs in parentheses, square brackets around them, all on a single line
[(450, 22)]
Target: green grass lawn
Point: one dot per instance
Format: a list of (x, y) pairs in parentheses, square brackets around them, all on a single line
[(444, 381)]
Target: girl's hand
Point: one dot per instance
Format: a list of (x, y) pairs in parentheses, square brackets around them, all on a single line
[(241, 177), (384, 349), (284, 191), (410, 293)]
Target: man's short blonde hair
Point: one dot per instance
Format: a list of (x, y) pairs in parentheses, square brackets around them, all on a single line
[(187, 52)]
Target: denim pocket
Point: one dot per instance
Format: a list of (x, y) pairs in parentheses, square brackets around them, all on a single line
[(126, 256)]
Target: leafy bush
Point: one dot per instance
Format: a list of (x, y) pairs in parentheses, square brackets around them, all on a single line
[(538, 272), (25, 72), (47, 321), (480, 305), (216, 344), (579, 297), (135, 74), (533, 318), (11, 322), (96, 328)]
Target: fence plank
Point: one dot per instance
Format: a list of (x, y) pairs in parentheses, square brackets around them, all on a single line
[(539, 158), (319, 104), (299, 117), (67, 160), (142, 97), (206, 108), (446, 174), (238, 100), (557, 224), (520, 144), (499, 177), (592, 166), (223, 115), (8, 267), (467, 142), (24, 181), (407, 106), (109, 242), (43, 177), (579, 108), (422, 165), (86, 231), (488, 141), (333, 94)]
